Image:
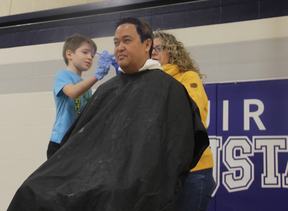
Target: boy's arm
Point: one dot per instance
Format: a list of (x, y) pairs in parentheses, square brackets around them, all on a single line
[(74, 91)]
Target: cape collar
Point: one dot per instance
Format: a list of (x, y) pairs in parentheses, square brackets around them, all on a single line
[(149, 64)]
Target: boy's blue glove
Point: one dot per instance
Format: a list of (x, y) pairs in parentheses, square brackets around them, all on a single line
[(104, 63), (115, 64)]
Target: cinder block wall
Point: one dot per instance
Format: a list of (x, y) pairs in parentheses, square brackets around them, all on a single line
[(14, 7)]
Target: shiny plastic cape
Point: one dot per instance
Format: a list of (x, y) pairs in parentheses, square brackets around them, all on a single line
[(130, 149)]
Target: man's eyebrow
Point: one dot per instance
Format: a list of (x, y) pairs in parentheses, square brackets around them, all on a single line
[(125, 36)]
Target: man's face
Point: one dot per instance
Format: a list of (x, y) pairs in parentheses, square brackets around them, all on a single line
[(130, 53)]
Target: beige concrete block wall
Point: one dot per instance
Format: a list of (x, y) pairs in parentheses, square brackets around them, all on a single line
[(23, 138), (5, 7), (27, 118), (14, 7)]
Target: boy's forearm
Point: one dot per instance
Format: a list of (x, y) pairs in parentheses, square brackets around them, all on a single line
[(74, 91)]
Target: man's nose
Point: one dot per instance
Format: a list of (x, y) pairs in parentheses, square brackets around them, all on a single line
[(121, 46)]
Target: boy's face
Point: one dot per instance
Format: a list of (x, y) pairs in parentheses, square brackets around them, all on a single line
[(130, 52), (82, 58)]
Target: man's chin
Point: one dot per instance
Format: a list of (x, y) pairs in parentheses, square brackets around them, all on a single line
[(123, 65)]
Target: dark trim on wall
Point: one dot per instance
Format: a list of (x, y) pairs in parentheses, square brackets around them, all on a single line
[(159, 14), (107, 6)]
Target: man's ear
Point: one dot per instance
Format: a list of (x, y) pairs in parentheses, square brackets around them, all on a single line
[(148, 45)]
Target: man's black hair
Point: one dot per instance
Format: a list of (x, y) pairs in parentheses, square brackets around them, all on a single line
[(142, 27)]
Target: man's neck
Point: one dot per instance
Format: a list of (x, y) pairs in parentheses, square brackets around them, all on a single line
[(134, 69)]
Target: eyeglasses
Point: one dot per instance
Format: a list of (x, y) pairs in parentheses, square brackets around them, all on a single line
[(159, 48)]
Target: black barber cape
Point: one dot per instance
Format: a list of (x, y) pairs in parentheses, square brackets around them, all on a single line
[(130, 149)]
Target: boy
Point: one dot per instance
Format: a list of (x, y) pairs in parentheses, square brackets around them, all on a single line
[(70, 91)]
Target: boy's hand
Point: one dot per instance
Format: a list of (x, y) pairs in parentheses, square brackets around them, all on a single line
[(104, 63)]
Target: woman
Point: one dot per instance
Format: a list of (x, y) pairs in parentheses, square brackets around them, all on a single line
[(175, 61)]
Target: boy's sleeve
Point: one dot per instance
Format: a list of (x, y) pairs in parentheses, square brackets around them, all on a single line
[(61, 80)]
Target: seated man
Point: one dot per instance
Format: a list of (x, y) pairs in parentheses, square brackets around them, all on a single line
[(132, 146)]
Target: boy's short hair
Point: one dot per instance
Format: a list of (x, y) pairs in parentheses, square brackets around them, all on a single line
[(74, 42), (142, 27)]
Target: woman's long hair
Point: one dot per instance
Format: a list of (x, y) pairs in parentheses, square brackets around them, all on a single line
[(178, 54)]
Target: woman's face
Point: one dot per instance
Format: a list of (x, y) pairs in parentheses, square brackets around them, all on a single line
[(160, 53)]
